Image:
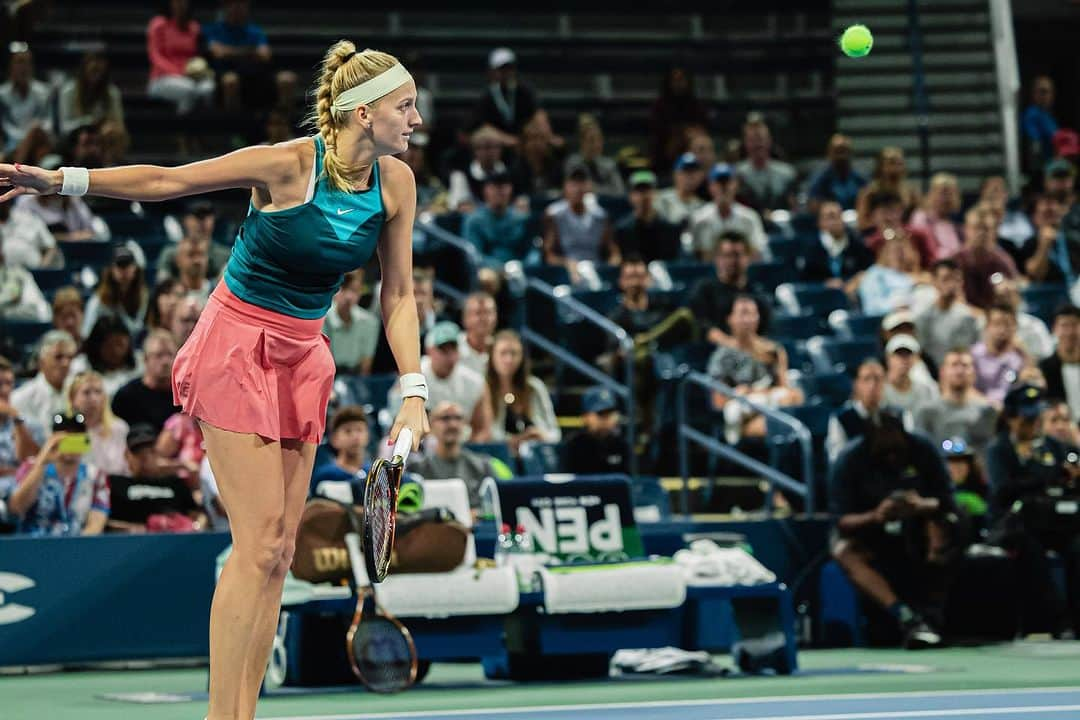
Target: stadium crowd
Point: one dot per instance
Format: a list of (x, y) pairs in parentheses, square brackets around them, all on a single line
[(930, 339)]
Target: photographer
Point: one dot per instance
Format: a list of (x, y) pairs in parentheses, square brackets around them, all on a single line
[(1033, 495), (892, 498)]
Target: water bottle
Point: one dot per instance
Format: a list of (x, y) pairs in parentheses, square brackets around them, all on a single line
[(523, 560), (504, 546), (522, 540)]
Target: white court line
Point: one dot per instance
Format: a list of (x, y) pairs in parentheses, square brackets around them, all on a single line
[(956, 712), (689, 703)]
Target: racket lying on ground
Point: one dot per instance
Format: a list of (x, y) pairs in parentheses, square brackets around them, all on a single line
[(381, 649)]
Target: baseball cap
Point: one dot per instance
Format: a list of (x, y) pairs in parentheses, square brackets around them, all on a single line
[(895, 319), (1059, 167), (598, 399), (443, 333), (499, 177), (140, 435), (500, 57), (1025, 400), (643, 177), (903, 342), (1066, 143), (687, 161), (721, 171), (122, 255), (577, 171)]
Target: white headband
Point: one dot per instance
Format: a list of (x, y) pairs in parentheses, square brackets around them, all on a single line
[(371, 90)]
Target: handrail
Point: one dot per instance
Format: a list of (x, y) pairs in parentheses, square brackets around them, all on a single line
[(626, 345), (473, 258), (1008, 85), (774, 476), (919, 97)]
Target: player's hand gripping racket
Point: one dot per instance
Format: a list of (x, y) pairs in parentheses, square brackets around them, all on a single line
[(380, 508)]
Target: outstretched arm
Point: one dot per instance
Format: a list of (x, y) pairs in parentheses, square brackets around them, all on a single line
[(264, 167)]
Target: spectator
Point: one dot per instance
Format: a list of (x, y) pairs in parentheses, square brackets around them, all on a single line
[(1029, 472), (960, 411), (177, 73), (240, 55), (838, 181), (192, 261), (161, 307), (467, 184), (67, 312), (864, 408), (577, 229), (1059, 182), (1062, 369), (905, 389), (109, 351), (754, 366), (836, 256), (25, 240), (679, 202), (38, 400), (902, 322), (712, 299), (981, 257), (148, 400), (68, 218), (676, 108), (20, 296), (768, 184), (145, 499), (90, 97), (120, 293), (724, 213), (520, 403), (58, 492), (701, 145), (508, 104), (650, 322), (998, 358), (179, 449), (887, 212), (889, 284), (934, 218), (349, 438), (541, 153), (603, 171), (19, 439), (890, 494), (186, 315), (1057, 423), (424, 296), (890, 175), (430, 191), (480, 317), (949, 322), (497, 230), (24, 106), (198, 221), (643, 232), (1044, 255), (1032, 335), (1038, 124), (449, 460), (600, 447), (1015, 226), (449, 379), (353, 331), (108, 434)]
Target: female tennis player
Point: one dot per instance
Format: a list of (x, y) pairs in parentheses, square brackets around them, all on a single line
[(256, 371)]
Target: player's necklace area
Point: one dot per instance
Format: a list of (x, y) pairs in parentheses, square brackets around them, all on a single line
[(359, 187)]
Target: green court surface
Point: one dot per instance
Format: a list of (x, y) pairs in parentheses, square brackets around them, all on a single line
[(71, 695)]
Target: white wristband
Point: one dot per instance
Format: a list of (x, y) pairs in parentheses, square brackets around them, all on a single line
[(76, 181), (414, 385)]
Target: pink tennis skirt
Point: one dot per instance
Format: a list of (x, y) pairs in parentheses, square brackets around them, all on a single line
[(251, 370)]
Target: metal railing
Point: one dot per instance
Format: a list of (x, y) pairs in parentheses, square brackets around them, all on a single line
[(920, 100), (1008, 86), (687, 433), (625, 390), (470, 255)]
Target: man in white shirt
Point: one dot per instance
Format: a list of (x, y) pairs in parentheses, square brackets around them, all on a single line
[(768, 183), (949, 322), (41, 398), (20, 296), (448, 380), (677, 203), (353, 331), (1031, 332), (479, 316), (25, 239), (723, 214), (24, 101), (904, 389)]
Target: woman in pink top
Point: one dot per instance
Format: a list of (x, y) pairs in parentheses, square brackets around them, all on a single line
[(172, 42), (935, 216)]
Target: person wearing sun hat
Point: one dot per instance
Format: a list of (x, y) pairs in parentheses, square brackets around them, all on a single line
[(904, 388), (643, 232)]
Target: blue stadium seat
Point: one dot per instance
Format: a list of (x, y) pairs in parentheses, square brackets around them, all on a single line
[(451, 222), (852, 325), (819, 300), (804, 223), (50, 280), (80, 253), (616, 206), (764, 277), (784, 249), (832, 355), (602, 301), (551, 274), (677, 361), (833, 389), (798, 358), (141, 228), (689, 274), (1042, 300), (793, 327), (23, 334), (497, 450), (540, 458)]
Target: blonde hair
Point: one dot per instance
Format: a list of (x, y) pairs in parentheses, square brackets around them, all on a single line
[(77, 382), (941, 180), (343, 68)]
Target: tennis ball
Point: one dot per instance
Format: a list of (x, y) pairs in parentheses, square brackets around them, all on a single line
[(856, 41)]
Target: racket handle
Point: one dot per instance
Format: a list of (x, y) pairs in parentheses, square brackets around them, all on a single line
[(403, 446)]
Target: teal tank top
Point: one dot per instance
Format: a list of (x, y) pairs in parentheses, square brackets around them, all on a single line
[(292, 261)]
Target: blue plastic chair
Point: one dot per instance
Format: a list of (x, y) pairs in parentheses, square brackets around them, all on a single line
[(80, 253), (1043, 300), (689, 274), (793, 327), (819, 300), (832, 355), (500, 451), (765, 276)]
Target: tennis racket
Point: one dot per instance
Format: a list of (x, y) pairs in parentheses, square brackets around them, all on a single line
[(380, 508), (380, 649)]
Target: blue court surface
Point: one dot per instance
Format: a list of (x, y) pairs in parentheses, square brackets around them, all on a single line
[(1028, 704)]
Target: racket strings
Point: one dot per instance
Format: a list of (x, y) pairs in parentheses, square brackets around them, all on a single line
[(382, 518), (384, 658)]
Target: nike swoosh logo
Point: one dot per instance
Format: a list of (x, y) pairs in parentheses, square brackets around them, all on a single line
[(345, 211)]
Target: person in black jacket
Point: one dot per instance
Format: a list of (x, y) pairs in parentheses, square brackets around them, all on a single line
[(601, 447), (835, 255), (1062, 369), (712, 298), (892, 498), (1033, 492)]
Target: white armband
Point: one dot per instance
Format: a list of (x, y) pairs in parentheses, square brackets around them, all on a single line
[(76, 181), (414, 385)]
